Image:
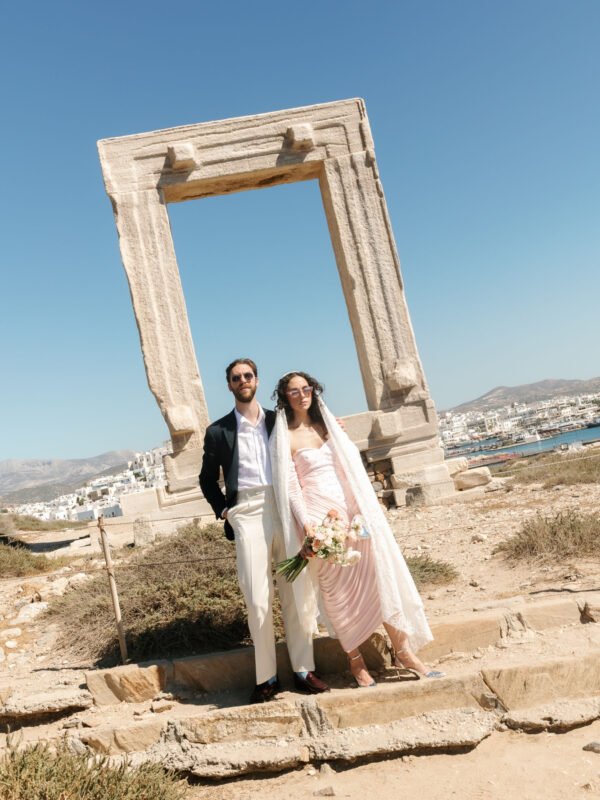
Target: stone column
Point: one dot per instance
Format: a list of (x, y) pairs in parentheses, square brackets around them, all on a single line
[(401, 425), (168, 350)]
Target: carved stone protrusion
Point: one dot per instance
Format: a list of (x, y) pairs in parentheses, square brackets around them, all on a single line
[(388, 424), (300, 136), (180, 419), (181, 155), (401, 375)]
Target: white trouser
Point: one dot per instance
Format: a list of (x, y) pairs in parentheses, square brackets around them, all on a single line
[(259, 542)]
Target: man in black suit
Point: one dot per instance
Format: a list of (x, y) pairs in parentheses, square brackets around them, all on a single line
[(238, 443)]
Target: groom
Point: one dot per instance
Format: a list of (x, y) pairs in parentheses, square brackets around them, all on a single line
[(239, 444)]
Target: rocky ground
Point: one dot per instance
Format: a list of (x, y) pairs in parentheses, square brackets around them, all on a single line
[(464, 533), (506, 765)]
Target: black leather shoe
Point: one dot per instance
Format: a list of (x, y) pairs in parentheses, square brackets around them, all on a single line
[(310, 685), (264, 692)]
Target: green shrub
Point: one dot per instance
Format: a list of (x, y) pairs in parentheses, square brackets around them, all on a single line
[(426, 570), (7, 525), (16, 561), (555, 469), (38, 773), (24, 522), (172, 604), (549, 538), (179, 597)]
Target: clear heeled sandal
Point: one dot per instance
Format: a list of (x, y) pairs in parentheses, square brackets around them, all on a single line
[(412, 671), (361, 685)]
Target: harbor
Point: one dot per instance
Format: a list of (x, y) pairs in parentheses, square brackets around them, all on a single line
[(487, 452)]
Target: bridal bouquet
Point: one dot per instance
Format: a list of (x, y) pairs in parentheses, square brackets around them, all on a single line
[(330, 540)]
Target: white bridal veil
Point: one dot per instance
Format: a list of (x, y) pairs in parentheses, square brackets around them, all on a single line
[(401, 604)]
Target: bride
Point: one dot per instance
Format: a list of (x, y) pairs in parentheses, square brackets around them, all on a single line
[(317, 469)]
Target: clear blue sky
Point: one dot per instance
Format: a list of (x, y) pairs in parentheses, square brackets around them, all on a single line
[(486, 119)]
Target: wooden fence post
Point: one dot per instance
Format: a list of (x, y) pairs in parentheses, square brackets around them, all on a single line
[(113, 589)]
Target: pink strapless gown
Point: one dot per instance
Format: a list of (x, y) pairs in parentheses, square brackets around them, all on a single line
[(349, 594)]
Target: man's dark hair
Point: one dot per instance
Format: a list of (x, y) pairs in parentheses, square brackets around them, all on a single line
[(241, 361)]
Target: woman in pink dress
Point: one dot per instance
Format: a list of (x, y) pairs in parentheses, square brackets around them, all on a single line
[(316, 470)]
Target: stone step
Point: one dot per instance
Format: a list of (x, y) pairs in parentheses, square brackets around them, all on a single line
[(395, 717), (435, 731), (19, 708), (233, 670), (537, 693), (347, 724)]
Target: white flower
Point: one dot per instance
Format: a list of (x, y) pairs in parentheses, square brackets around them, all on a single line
[(352, 557)]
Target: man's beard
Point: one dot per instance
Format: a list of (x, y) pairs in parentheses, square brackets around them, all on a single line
[(245, 394)]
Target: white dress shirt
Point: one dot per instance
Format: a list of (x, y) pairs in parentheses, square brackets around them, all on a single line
[(254, 464)]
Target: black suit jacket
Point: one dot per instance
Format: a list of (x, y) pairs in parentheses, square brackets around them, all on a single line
[(221, 452)]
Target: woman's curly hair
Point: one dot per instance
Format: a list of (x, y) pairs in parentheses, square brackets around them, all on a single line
[(281, 398)]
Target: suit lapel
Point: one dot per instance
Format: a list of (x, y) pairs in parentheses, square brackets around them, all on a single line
[(270, 421), (230, 432)]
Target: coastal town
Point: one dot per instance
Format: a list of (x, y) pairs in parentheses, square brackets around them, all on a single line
[(517, 423), (102, 496)]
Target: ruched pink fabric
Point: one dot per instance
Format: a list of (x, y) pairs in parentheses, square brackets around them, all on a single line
[(349, 594)]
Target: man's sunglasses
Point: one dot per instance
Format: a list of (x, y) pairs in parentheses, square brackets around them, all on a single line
[(246, 376)]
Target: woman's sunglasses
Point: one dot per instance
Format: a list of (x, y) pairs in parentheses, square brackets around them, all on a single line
[(306, 391)]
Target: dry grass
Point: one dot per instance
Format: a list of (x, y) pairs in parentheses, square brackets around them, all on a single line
[(427, 571), (38, 773), (24, 522), (16, 561), (171, 604), (548, 538), (555, 469)]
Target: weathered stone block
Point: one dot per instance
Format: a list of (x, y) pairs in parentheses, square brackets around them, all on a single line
[(465, 632), (444, 730), (424, 476), (456, 465), (406, 462), (214, 672), (331, 659), (401, 374), (388, 424), (531, 684), (300, 136), (559, 716), (386, 703), (181, 156), (130, 683), (270, 720), (551, 614), (143, 534), (480, 476), (399, 496), (126, 738)]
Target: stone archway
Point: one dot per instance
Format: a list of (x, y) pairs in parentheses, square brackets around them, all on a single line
[(331, 143)]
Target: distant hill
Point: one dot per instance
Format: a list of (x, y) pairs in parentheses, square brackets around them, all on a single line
[(528, 393), (23, 481)]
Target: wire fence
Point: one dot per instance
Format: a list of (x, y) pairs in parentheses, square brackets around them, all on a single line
[(109, 569), (112, 523)]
